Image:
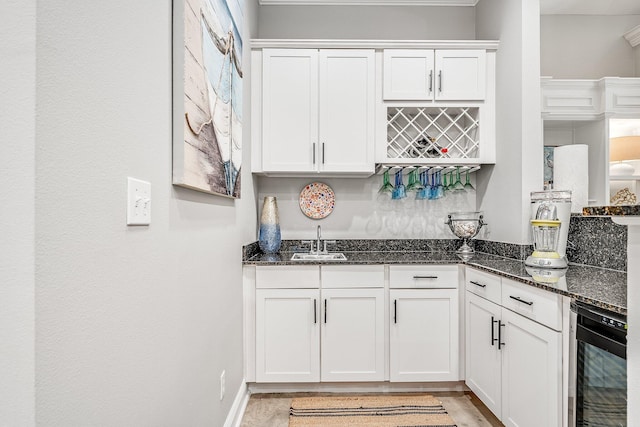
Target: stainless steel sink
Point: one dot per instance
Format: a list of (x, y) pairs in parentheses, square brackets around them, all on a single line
[(331, 256)]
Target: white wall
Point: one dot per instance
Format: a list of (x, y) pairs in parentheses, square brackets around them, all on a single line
[(134, 324), (17, 180), (361, 213), (587, 46), (633, 320), (370, 22), (504, 188)]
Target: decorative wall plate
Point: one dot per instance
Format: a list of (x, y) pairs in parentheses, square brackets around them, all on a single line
[(317, 200)]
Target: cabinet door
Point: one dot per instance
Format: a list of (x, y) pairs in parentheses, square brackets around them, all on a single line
[(289, 110), (424, 335), (408, 74), (352, 335), (460, 74), (287, 335), (532, 373), (483, 359), (346, 94)]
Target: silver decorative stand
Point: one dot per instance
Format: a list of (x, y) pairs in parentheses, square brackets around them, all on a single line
[(465, 229)]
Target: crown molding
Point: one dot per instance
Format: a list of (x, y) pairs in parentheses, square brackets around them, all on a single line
[(633, 36), (373, 44), (368, 2)]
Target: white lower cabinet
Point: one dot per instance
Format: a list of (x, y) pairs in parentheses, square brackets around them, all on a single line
[(352, 335), (423, 335), (287, 335), (483, 359), (531, 373), (331, 332), (513, 364)]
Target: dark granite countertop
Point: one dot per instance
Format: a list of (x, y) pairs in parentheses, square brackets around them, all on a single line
[(599, 287), (628, 210)]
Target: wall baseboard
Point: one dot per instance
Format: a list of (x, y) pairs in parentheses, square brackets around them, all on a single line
[(234, 418), (368, 387)]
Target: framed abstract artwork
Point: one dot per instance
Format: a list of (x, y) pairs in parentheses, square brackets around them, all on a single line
[(207, 95)]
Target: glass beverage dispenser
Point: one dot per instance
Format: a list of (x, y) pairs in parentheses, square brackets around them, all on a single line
[(551, 212)]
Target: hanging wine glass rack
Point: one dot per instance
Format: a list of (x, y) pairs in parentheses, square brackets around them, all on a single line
[(405, 168), (433, 135)]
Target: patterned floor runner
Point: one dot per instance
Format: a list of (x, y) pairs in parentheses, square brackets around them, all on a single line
[(370, 411)]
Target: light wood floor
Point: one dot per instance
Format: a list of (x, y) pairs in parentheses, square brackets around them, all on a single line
[(272, 409)]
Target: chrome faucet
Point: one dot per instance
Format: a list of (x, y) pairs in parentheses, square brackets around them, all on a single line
[(320, 246), (318, 237)]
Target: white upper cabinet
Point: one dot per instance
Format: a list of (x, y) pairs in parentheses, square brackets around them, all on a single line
[(318, 111), (408, 74), (461, 75), (440, 75), (290, 109), (347, 90)]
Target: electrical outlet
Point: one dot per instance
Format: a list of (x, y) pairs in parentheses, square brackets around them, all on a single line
[(138, 202), (222, 385)]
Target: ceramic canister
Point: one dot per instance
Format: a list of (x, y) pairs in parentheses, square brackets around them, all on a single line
[(269, 238)]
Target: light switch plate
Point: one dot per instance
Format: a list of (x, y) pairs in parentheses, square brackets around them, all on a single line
[(138, 202)]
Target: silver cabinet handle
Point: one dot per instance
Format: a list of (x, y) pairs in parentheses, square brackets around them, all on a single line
[(430, 81), (477, 284), (440, 81), (425, 277), (323, 153), (314, 153), (521, 300)]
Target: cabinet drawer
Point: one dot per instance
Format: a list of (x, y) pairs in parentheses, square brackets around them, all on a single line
[(423, 276), (536, 304), (352, 276), (287, 277), (483, 284)]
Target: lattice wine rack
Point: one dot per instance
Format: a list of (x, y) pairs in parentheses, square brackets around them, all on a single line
[(433, 134)]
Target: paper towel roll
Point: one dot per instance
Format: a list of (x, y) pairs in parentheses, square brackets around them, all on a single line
[(571, 172)]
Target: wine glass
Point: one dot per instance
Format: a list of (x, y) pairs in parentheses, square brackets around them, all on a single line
[(399, 192), (457, 186), (426, 187), (445, 186), (439, 186), (467, 184), (386, 187), (433, 188), (414, 184)]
